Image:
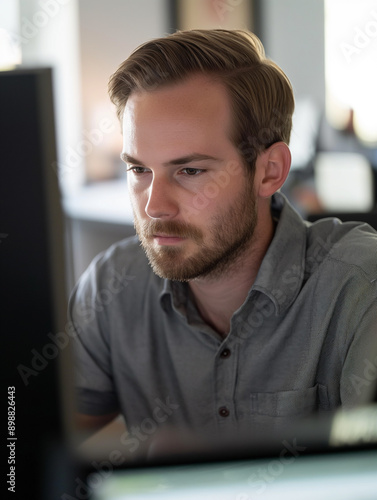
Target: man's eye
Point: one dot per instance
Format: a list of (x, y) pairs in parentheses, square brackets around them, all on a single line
[(136, 170), (192, 171)]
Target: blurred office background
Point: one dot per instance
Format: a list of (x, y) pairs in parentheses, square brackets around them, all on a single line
[(328, 49)]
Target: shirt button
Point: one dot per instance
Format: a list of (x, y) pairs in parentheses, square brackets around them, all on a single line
[(225, 353), (223, 411)]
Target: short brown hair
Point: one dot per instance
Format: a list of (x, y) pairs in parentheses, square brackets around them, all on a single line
[(260, 92)]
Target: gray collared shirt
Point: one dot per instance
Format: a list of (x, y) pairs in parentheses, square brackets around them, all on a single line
[(304, 340)]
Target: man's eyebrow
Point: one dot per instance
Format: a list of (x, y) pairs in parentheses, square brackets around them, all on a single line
[(191, 159), (128, 159), (184, 160)]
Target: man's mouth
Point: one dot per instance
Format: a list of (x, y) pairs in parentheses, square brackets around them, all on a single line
[(167, 239)]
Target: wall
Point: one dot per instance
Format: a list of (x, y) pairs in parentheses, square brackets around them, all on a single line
[(49, 37), (109, 31), (293, 34)]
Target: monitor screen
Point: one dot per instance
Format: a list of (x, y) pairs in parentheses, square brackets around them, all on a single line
[(32, 292), (346, 476)]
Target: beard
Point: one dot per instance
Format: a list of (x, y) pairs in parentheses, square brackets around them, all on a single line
[(229, 235)]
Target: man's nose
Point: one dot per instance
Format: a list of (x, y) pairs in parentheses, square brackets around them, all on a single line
[(161, 202)]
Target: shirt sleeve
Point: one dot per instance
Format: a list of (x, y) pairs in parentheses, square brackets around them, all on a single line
[(95, 390), (358, 384)]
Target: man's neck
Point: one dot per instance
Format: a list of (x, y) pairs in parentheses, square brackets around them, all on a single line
[(218, 299)]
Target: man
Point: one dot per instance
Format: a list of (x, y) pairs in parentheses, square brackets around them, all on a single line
[(233, 313)]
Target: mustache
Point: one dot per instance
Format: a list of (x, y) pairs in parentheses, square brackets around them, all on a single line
[(170, 228)]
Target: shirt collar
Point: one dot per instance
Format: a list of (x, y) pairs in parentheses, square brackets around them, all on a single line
[(281, 273), (174, 294)]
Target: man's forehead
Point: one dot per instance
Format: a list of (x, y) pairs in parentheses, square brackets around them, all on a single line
[(198, 99), (199, 87)]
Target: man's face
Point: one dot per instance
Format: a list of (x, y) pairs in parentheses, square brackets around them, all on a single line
[(193, 200)]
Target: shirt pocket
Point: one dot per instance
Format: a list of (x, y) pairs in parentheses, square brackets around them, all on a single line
[(289, 403)]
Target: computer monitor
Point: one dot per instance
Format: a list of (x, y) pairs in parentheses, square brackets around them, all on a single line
[(346, 476), (32, 285)]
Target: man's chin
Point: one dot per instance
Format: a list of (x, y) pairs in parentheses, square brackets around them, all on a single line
[(181, 270), (172, 276), (169, 274), (168, 263)]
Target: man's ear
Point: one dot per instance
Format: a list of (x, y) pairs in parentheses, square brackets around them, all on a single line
[(272, 168)]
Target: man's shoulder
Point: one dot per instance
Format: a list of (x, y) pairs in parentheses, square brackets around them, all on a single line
[(122, 262), (124, 252), (352, 244)]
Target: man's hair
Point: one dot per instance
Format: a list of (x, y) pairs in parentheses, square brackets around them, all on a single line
[(260, 93)]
